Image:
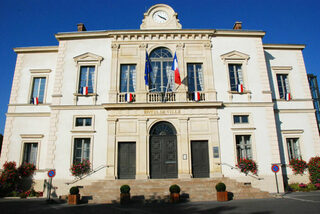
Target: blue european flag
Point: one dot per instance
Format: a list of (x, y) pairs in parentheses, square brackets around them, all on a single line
[(147, 69)]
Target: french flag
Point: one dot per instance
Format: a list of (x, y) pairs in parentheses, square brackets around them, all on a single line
[(129, 98), (85, 90), (288, 96), (240, 88), (196, 96), (35, 101), (175, 68)]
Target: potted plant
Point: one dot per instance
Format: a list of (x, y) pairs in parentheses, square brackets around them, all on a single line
[(124, 194), (79, 169), (247, 165), (74, 196), (222, 194), (174, 193)]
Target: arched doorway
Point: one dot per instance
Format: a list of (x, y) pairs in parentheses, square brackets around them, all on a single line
[(163, 151)]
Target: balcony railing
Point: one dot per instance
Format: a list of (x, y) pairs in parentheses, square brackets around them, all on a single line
[(122, 97), (191, 96), (161, 97)]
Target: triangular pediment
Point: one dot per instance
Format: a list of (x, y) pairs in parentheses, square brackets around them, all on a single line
[(235, 55), (88, 57)]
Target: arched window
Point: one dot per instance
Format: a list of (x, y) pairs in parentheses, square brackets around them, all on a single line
[(161, 74)]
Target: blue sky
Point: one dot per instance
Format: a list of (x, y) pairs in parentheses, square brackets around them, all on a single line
[(26, 23)]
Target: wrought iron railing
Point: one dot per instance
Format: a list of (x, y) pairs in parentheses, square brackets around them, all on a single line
[(86, 175), (238, 169)]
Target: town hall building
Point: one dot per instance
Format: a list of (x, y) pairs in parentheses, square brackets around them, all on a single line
[(110, 97)]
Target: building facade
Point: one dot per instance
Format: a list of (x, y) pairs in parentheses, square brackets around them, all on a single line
[(87, 98), (315, 94)]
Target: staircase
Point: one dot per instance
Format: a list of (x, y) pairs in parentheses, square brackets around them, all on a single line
[(196, 189)]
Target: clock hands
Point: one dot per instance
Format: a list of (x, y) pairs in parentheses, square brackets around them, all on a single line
[(162, 17)]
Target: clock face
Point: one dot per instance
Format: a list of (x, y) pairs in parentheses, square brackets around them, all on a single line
[(160, 16)]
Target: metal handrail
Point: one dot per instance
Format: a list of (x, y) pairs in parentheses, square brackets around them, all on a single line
[(90, 173), (235, 167)]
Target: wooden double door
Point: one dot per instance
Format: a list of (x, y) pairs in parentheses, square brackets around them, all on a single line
[(163, 157)]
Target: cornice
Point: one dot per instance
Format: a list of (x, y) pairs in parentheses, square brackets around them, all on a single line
[(127, 106), (142, 34), (248, 104), (284, 46), (29, 114), (241, 33), (31, 135), (76, 107), (295, 110), (36, 49)]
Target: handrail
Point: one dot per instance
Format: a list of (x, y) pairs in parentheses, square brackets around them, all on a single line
[(235, 167), (86, 175)]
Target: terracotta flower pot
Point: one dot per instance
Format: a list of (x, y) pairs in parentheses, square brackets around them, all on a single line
[(124, 198), (174, 197), (73, 199), (222, 196)]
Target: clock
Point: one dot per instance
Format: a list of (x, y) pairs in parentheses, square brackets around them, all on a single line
[(160, 16)]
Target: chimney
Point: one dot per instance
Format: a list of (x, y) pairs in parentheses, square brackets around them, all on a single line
[(81, 27), (237, 26)]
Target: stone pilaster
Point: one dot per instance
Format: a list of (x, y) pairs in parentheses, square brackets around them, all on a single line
[(114, 74), (215, 169), (142, 150), (111, 149), (183, 149)]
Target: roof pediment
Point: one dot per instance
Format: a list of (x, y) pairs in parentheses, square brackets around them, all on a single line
[(88, 57), (235, 55)]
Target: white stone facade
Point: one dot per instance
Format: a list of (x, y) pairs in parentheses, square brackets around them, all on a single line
[(51, 124)]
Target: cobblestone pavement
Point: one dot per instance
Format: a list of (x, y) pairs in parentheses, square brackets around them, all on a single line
[(290, 203)]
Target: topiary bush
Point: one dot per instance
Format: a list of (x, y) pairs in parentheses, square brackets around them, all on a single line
[(314, 170), (174, 188), (221, 187), (74, 190), (125, 189)]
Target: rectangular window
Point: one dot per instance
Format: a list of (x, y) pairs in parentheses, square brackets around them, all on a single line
[(293, 148), (30, 152), (38, 88), (81, 149), (235, 75), (128, 78), (238, 119), (86, 78), (283, 85), (195, 77), (243, 146), (83, 121)]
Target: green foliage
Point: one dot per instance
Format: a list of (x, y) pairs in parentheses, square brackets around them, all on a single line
[(74, 190), (221, 187), (125, 189), (298, 166), (296, 187), (174, 188), (314, 170)]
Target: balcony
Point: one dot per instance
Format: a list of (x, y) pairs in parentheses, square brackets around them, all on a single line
[(122, 98), (156, 97), (191, 96)]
